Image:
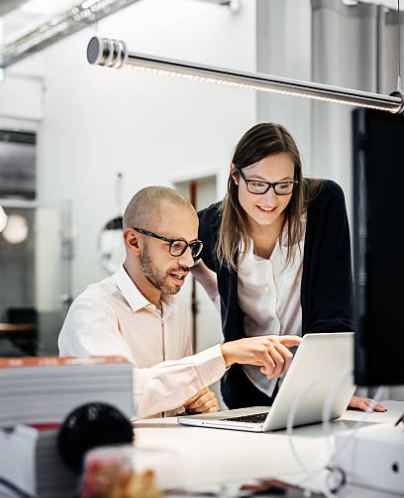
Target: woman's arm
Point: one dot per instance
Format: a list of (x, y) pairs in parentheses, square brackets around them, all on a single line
[(327, 275), (208, 280)]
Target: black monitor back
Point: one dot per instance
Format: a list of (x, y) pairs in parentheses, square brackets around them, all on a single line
[(378, 247)]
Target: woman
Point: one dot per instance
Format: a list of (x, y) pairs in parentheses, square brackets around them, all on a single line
[(279, 246)]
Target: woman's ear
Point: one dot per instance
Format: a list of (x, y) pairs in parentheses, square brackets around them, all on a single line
[(234, 173)]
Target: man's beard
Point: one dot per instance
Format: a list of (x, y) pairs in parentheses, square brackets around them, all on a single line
[(157, 277)]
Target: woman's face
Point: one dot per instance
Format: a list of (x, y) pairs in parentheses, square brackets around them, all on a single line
[(265, 209)]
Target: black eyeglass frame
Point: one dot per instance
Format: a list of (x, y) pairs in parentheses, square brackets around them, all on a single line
[(268, 184), (172, 241)]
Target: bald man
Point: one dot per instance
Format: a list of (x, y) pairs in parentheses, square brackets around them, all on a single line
[(136, 313)]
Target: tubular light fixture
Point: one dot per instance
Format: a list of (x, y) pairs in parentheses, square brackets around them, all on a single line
[(114, 54)]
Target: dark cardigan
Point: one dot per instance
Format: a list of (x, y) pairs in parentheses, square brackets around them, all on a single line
[(326, 288)]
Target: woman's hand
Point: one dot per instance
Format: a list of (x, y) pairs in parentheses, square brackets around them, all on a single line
[(269, 352), (364, 403)]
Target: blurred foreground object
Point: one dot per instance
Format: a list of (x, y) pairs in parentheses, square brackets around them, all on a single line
[(110, 474), (90, 426), (46, 389)]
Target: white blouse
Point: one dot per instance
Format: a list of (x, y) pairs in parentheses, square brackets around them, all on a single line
[(269, 295)]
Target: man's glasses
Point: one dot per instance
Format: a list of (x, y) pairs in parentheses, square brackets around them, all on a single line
[(177, 246), (259, 188)]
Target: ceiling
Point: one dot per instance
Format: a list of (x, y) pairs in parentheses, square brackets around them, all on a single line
[(21, 16), (7, 6)]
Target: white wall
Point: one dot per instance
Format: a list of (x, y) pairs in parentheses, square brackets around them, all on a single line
[(21, 95), (284, 49), (99, 121)]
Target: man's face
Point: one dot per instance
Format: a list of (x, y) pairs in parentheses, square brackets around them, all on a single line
[(166, 272)]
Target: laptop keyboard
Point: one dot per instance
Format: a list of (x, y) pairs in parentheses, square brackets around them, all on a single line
[(257, 418)]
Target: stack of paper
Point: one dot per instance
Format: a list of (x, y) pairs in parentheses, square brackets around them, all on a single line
[(44, 390)]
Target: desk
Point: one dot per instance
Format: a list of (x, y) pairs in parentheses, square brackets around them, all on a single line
[(18, 339), (204, 456), (190, 456), (17, 327)]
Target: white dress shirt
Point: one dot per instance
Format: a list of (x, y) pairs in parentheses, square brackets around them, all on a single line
[(113, 317), (269, 295)]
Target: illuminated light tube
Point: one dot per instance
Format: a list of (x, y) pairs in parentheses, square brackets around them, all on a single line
[(114, 53)]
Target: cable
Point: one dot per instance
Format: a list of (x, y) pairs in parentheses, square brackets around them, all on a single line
[(118, 192), (326, 414), (14, 488), (360, 422), (309, 475), (399, 92), (399, 47), (327, 407)]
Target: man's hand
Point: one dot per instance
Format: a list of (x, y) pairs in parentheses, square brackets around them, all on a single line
[(270, 352), (364, 403), (203, 402)]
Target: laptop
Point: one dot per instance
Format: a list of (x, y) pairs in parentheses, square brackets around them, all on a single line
[(320, 356)]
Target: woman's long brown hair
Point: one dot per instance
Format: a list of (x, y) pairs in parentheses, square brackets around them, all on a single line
[(259, 142)]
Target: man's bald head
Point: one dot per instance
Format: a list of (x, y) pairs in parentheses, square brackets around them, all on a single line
[(147, 206)]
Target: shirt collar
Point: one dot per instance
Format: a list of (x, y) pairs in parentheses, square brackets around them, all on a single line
[(129, 290), (135, 298)]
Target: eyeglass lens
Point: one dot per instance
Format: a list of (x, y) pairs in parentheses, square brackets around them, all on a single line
[(261, 188), (178, 248)]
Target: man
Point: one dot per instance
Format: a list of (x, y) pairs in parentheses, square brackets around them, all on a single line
[(135, 313)]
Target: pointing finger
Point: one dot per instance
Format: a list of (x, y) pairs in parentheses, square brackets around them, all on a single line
[(290, 340)]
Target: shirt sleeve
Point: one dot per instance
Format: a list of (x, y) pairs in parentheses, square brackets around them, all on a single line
[(91, 328), (209, 223), (168, 385)]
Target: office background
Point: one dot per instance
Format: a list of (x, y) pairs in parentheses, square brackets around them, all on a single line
[(100, 135)]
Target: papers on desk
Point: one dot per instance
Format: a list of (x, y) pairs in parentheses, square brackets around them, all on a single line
[(30, 462), (45, 390)]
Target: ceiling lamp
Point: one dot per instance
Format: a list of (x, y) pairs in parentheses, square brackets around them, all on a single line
[(16, 230), (114, 54)]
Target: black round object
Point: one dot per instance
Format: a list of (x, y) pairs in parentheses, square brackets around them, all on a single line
[(89, 426), (95, 49), (114, 224)]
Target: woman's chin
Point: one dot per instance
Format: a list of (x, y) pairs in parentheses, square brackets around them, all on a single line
[(264, 219)]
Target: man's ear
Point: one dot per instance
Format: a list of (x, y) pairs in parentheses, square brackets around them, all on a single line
[(131, 241), (234, 173)]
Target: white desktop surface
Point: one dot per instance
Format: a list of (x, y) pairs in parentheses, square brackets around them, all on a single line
[(201, 456), (193, 456)]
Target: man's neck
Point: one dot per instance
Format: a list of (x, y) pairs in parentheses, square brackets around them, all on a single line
[(135, 272)]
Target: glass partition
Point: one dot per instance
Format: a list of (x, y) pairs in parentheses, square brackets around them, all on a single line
[(35, 277)]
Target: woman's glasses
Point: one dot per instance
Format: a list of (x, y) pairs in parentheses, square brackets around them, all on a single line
[(177, 247), (259, 187)]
